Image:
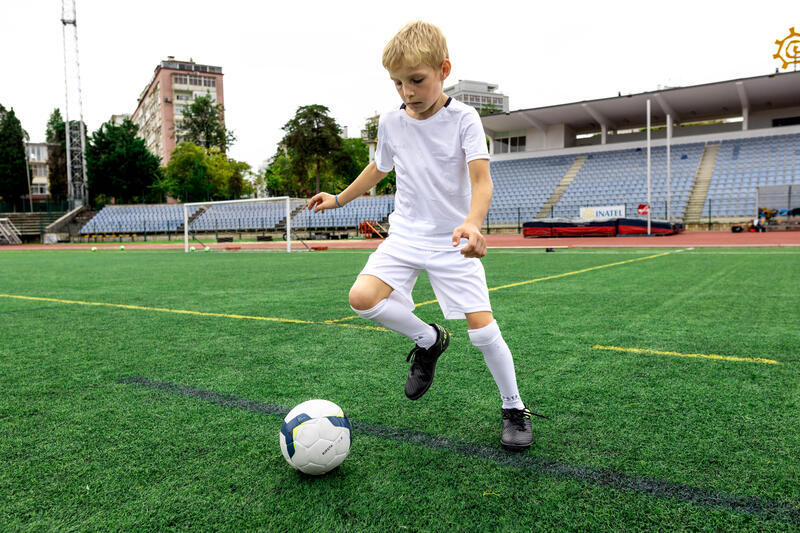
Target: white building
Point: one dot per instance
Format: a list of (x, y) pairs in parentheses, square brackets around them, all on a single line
[(37, 165), (731, 107), (117, 120), (479, 94)]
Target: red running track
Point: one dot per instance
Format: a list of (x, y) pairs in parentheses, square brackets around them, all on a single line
[(697, 239)]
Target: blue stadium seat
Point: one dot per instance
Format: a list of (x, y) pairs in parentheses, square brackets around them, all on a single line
[(743, 165)]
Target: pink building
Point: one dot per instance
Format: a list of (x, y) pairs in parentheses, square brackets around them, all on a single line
[(174, 87)]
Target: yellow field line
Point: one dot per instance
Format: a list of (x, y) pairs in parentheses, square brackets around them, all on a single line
[(335, 320), (698, 355), (185, 312), (581, 271), (527, 282)]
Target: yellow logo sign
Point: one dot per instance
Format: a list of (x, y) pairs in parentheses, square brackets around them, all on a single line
[(789, 49)]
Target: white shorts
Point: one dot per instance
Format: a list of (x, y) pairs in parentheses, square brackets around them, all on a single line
[(459, 282)]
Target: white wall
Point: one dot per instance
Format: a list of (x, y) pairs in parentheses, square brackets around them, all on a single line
[(534, 140), (763, 119), (689, 131), (712, 138), (561, 136), (557, 136)]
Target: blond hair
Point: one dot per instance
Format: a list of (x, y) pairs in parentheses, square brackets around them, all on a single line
[(415, 44)]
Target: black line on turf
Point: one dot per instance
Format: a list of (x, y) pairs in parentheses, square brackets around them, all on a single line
[(307, 280), (29, 309), (603, 477)]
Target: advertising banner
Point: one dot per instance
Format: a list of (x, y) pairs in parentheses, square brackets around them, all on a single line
[(606, 211)]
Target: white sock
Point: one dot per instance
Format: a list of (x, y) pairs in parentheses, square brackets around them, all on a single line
[(489, 341), (393, 315)]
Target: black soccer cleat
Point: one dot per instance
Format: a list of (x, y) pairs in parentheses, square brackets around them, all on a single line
[(420, 375), (517, 432)]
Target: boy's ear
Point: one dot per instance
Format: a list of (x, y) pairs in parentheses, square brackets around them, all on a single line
[(446, 66)]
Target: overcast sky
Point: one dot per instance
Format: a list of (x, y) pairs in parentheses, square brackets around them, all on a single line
[(277, 56)]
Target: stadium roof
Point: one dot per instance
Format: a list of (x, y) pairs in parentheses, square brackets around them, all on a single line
[(719, 100)]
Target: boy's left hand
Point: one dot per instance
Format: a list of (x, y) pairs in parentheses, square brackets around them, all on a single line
[(476, 247)]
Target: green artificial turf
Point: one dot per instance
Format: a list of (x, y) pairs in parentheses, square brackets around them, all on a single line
[(635, 440)]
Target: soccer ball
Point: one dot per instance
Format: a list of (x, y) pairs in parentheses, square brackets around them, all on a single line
[(315, 437)]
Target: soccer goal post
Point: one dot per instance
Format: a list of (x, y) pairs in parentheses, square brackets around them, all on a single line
[(250, 216)]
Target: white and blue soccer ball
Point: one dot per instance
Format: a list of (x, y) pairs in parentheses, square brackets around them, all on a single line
[(315, 437)]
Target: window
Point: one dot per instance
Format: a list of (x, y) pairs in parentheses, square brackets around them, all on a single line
[(209, 94), (37, 153), (196, 80), (504, 145), (787, 121)]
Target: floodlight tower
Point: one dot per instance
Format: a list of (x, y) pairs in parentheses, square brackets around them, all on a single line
[(75, 134)]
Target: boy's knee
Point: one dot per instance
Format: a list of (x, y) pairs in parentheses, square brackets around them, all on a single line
[(362, 300), (485, 335), (479, 319), (367, 292)]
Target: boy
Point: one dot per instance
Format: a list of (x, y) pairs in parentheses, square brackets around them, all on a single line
[(437, 147)]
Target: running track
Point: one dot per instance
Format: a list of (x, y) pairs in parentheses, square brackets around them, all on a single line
[(697, 239)]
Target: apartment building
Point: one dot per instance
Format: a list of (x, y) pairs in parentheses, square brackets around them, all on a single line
[(174, 86), (39, 175)]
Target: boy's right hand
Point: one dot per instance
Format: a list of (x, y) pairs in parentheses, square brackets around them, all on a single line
[(321, 202)]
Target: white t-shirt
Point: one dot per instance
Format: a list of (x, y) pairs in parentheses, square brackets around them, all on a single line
[(430, 158)]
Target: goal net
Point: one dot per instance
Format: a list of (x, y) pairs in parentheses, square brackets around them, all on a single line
[(250, 219)]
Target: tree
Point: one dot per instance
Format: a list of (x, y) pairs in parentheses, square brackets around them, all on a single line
[(13, 169), (238, 186), (54, 123), (227, 176), (489, 109), (281, 180), (196, 174), (312, 136), (371, 128), (203, 124), (349, 161), (119, 165), (186, 175), (56, 157), (388, 184)]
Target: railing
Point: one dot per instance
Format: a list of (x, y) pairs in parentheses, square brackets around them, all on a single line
[(9, 232)]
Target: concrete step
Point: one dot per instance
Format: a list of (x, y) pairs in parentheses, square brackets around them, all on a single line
[(702, 181), (32, 223)]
